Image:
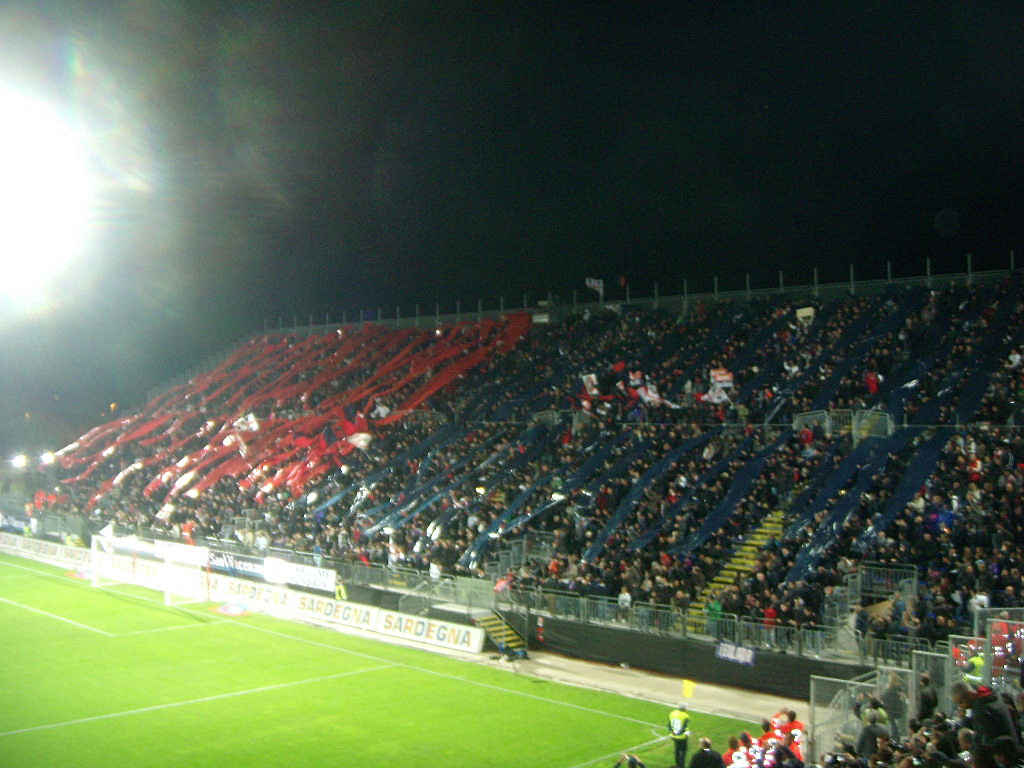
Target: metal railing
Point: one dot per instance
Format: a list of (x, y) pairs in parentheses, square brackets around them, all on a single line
[(876, 581), (892, 650), (858, 424), (544, 304), (421, 590)]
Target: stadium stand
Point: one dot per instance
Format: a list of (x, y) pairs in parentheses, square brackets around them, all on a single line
[(729, 467)]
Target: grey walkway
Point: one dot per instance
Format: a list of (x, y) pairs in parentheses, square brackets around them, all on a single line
[(713, 699)]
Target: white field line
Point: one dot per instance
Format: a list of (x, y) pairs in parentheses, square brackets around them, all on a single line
[(189, 702), (415, 668), (55, 616), (36, 571), (166, 629)]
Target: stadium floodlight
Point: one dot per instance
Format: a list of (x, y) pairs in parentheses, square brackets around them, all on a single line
[(46, 193), (19, 461)]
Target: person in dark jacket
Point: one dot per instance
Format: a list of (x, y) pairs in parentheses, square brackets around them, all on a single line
[(988, 714), (867, 741), (706, 757), (927, 697)]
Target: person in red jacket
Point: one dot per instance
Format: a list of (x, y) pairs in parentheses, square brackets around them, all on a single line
[(786, 723)]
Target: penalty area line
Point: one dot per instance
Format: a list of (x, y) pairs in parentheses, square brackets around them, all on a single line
[(189, 702), (168, 629)]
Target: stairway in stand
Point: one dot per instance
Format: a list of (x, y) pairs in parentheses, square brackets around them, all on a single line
[(501, 633), (740, 564)]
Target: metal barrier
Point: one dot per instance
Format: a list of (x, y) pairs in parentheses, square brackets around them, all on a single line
[(858, 424), (871, 423), (841, 421), (983, 616), (893, 650), (840, 642), (1004, 639), (417, 601), (813, 419), (835, 704), (935, 665), (882, 581), (62, 526), (833, 721)]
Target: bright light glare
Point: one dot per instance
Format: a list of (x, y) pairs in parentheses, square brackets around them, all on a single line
[(46, 192), (48, 457), (20, 461)]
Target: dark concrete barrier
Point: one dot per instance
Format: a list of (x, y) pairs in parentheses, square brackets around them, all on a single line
[(771, 672)]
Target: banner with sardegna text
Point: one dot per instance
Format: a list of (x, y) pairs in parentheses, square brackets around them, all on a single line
[(320, 610)]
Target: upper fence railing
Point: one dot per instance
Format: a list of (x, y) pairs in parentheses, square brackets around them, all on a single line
[(546, 307)]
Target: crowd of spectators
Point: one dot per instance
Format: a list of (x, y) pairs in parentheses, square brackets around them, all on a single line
[(983, 730), (620, 434)]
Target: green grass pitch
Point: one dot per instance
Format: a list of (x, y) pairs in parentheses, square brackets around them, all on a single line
[(112, 677)]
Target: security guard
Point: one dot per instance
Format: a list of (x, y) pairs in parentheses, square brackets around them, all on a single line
[(975, 668), (679, 730)]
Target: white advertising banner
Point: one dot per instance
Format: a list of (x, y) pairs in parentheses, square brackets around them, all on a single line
[(261, 597)]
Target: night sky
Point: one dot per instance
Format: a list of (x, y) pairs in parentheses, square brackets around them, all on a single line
[(263, 160)]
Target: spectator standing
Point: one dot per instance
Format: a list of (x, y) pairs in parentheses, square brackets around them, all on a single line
[(714, 615), (894, 700), (988, 714), (927, 698), (867, 741), (706, 757), (625, 601)]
